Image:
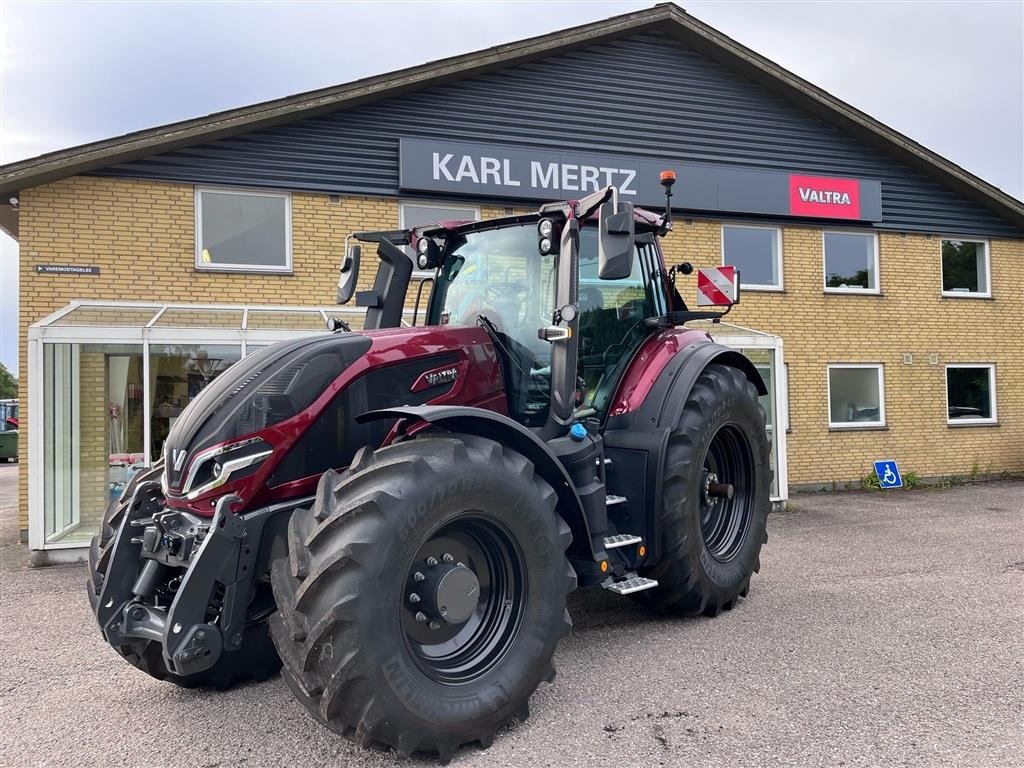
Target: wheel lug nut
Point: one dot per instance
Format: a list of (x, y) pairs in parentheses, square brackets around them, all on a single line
[(434, 625), (421, 617), (418, 576), (448, 558), (414, 598), (431, 561)]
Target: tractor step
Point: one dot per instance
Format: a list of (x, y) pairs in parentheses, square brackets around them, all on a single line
[(611, 499), (621, 540), (628, 584)]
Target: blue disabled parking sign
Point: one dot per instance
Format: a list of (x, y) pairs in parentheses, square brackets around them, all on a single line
[(888, 474)]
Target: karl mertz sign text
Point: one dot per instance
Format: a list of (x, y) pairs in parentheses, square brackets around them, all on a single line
[(66, 269), (499, 171)]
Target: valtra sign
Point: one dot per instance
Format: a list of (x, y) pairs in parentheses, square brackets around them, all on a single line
[(823, 196), (539, 174)]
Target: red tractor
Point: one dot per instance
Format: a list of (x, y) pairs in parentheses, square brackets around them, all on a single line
[(398, 514)]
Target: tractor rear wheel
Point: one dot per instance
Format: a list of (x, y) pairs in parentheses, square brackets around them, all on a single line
[(424, 594), (715, 500)]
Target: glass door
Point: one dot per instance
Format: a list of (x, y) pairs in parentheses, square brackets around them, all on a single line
[(764, 360), (61, 440)]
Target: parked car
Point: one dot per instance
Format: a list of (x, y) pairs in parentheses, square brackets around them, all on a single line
[(8, 430)]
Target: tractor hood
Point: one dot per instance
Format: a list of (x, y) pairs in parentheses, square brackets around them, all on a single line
[(271, 424), (258, 392)]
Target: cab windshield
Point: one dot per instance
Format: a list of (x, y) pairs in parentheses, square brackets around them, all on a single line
[(500, 276)]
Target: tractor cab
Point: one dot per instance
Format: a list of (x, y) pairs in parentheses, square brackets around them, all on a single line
[(568, 295), (504, 279)]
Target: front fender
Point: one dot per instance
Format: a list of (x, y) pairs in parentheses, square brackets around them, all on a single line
[(502, 429)]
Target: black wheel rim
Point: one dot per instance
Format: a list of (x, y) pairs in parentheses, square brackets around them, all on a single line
[(724, 521), (448, 647)]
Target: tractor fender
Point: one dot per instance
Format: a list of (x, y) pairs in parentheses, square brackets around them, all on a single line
[(500, 428), (665, 402), (647, 428)]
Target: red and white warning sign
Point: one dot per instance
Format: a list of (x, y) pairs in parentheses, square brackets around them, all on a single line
[(718, 286)]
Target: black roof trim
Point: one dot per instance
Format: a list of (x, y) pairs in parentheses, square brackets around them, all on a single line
[(667, 18)]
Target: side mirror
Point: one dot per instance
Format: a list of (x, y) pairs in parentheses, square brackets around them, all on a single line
[(349, 274), (615, 241)]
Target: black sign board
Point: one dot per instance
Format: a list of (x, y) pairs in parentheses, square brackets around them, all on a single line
[(501, 171), (66, 269)]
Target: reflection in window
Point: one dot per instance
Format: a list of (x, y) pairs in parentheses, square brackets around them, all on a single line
[(243, 230), (970, 394), (856, 396), (755, 251), (965, 267), (850, 261)]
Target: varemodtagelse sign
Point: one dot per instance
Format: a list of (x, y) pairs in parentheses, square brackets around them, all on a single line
[(501, 171), (66, 269)]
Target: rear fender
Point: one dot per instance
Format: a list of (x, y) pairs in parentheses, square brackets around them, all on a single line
[(644, 431), (502, 429)]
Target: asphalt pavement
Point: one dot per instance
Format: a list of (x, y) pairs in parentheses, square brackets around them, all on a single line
[(885, 629)]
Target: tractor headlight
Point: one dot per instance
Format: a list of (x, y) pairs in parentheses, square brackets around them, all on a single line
[(427, 253), (215, 466), (545, 228), (545, 245)]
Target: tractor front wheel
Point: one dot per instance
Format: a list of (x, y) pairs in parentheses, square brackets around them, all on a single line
[(423, 594), (715, 499)]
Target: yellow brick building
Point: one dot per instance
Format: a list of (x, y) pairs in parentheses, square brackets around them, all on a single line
[(876, 357)]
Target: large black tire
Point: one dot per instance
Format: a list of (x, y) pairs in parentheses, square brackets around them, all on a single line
[(345, 627), (710, 547), (256, 659)]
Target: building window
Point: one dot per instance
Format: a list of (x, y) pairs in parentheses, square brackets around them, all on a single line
[(757, 253), (856, 396), (418, 214), (851, 262), (243, 231), (965, 269), (971, 393)]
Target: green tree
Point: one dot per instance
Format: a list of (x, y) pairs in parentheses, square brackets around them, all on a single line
[(8, 384)]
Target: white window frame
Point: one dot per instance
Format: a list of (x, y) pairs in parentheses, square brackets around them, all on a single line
[(880, 369), (824, 264), (987, 293), (403, 204), (993, 419), (254, 268), (778, 247)]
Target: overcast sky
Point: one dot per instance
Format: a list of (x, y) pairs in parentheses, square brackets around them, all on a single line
[(949, 75)]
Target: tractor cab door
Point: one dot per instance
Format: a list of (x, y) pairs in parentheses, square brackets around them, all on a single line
[(612, 313)]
